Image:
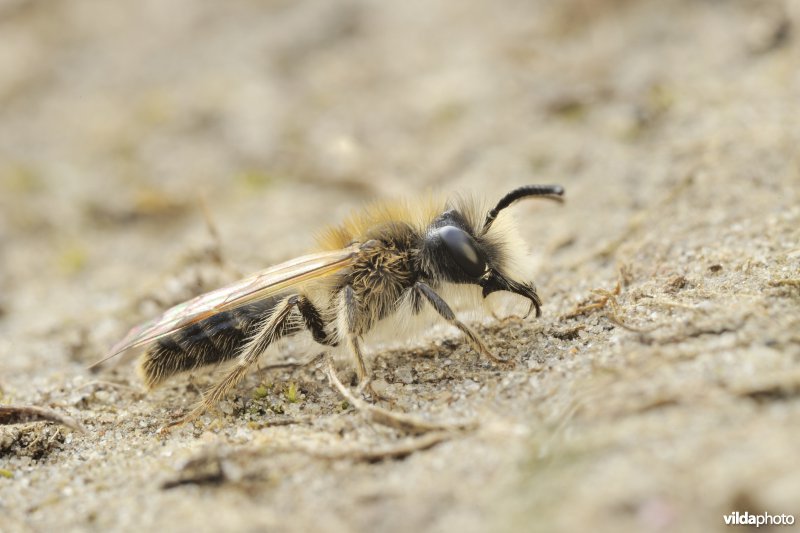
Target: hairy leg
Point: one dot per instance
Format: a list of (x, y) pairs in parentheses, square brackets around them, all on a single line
[(275, 327), (349, 320), (444, 310)]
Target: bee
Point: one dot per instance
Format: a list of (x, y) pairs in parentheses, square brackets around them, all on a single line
[(388, 260)]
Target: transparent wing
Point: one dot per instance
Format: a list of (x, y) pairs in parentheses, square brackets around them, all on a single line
[(257, 286)]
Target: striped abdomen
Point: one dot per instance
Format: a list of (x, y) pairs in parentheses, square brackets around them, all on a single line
[(216, 339)]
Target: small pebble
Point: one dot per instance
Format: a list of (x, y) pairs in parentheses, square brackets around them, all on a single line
[(405, 375)]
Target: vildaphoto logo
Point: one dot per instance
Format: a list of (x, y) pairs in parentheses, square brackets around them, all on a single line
[(763, 519)]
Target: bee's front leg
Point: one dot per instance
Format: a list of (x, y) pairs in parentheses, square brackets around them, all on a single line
[(444, 310)]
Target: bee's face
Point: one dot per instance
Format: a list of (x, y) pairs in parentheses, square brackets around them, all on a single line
[(454, 252)]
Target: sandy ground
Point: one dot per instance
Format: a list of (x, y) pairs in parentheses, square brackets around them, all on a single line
[(658, 407)]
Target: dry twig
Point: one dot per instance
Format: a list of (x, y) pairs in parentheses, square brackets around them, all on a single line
[(21, 414), (603, 300), (399, 421), (394, 450)]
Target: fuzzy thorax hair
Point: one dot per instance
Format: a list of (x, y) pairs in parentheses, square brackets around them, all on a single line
[(503, 235)]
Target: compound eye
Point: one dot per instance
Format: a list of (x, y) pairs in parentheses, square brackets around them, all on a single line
[(464, 250)]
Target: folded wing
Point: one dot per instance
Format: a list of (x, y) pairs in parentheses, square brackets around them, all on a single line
[(257, 286)]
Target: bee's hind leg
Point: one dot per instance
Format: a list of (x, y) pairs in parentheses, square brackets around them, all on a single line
[(444, 310), (276, 326)]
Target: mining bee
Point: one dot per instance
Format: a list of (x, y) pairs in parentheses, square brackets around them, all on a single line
[(388, 260)]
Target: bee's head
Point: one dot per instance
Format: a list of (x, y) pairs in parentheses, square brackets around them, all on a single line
[(455, 251)]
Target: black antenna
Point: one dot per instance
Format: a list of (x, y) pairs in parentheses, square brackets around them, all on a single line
[(553, 192)]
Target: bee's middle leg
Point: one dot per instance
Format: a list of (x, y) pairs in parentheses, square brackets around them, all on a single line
[(349, 317), (349, 320)]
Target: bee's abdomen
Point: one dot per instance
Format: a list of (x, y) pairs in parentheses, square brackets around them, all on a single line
[(214, 340)]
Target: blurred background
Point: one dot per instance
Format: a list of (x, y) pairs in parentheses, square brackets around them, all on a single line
[(140, 140), (116, 118)]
